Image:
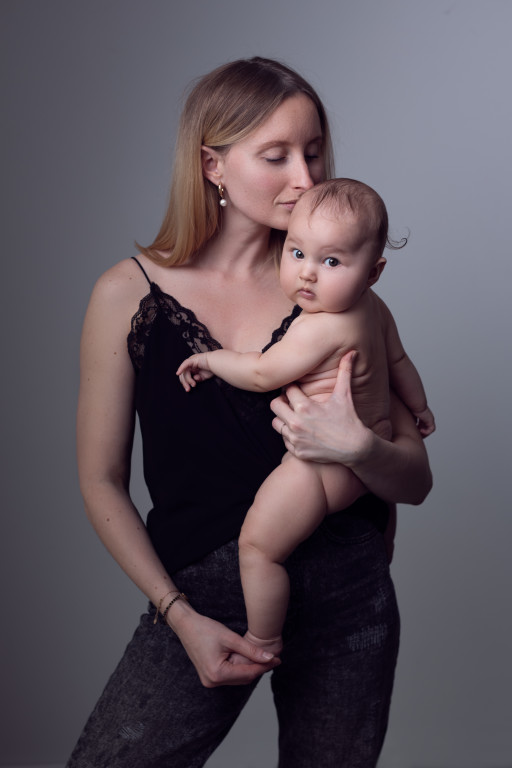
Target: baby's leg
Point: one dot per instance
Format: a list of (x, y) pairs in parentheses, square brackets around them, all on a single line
[(288, 507)]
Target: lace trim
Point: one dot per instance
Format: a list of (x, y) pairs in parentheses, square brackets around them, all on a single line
[(280, 332), (195, 333)]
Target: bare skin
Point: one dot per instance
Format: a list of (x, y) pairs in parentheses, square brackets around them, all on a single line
[(327, 267), (234, 288), (105, 429), (311, 432)]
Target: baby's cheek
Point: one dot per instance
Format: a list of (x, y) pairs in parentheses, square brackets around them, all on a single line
[(287, 281)]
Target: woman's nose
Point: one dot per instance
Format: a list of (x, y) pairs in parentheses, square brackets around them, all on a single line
[(301, 176)]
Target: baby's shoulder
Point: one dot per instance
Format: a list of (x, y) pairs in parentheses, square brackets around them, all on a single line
[(324, 330), (321, 322)]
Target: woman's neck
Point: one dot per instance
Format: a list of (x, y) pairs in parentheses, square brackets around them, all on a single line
[(236, 249)]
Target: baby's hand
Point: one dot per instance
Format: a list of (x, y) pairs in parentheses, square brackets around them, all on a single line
[(193, 370), (425, 422)]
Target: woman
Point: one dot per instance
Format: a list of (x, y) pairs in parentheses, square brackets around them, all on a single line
[(253, 137)]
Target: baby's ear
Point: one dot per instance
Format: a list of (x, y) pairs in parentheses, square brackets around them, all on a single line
[(376, 271)]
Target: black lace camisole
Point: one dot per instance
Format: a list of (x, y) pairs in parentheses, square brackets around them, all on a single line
[(205, 452)]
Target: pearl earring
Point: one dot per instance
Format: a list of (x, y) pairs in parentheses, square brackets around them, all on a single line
[(222, 202)]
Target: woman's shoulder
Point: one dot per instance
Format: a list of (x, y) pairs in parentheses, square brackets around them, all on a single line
[(122, 284), (116, 298)]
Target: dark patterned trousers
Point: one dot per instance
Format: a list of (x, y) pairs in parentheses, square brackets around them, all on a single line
[(332, 691)]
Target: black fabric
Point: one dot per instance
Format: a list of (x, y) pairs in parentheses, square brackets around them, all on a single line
[(332, 691), (206, 452)]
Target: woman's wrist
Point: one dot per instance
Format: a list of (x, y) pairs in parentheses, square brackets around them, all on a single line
[(363, 449), (396, 471), (178, 613)]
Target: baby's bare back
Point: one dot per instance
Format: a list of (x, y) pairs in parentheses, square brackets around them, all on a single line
[(363, 328)]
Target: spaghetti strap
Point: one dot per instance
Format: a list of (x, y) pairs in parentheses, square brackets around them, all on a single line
[(142, 268)]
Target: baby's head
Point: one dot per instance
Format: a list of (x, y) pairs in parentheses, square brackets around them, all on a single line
[(333, 251), (351, 201)]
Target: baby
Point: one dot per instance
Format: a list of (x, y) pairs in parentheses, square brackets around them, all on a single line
[(331, 257)]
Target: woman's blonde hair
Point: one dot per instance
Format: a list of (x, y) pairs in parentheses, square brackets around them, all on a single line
[(224, 107)]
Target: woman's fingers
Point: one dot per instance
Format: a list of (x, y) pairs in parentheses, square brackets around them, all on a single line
[(344, 377), (238, 674), (285, 407), (325, 432), (210, 646), (282, 410), (243, 662), (295, 397), (249, 650), (280, 406)]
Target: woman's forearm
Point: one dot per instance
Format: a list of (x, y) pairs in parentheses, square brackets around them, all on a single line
[(395, 471), (208, 643), (123, 532), (105, 424)]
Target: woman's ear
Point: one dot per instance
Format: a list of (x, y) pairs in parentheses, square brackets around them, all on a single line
[(212, 163), (376, 271)]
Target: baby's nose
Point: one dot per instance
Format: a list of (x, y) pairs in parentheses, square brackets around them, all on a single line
[(308, 272)]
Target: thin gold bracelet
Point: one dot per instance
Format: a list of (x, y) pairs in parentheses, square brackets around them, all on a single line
[(171, 592), (181, 596)]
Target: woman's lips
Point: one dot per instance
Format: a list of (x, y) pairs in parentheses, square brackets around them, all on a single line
[(289, 204)]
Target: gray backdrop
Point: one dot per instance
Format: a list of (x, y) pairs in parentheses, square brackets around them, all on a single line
[(419, 96)]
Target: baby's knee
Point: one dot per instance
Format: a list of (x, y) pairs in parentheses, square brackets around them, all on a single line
[(246, 543), (249, 550)]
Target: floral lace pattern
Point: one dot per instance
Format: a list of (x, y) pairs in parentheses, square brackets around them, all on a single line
[(195, 333)]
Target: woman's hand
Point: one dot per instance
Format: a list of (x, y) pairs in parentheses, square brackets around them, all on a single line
[(331, 432), (325, 432), (210, 646)]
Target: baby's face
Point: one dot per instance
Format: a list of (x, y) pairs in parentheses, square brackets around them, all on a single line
[(327, 262)]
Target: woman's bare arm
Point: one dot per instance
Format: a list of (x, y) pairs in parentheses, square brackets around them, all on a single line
[(396, 471), (105, 425)]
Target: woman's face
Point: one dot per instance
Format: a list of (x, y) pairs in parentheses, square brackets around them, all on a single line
[(265, 174)]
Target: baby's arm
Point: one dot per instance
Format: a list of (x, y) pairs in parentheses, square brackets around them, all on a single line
[(302, 349), (405, 379), (195, 368)]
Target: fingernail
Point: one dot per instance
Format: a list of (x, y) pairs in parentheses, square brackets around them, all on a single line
[(266, 655)]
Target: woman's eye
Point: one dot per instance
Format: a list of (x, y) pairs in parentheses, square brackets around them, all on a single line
[(312, 152), (330, 261), (275, 159), (297, 254)]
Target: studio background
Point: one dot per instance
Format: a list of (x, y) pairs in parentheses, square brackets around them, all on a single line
[(418, 92)]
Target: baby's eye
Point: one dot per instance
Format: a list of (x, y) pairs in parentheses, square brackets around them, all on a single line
[(330, 261), (297, 254)]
